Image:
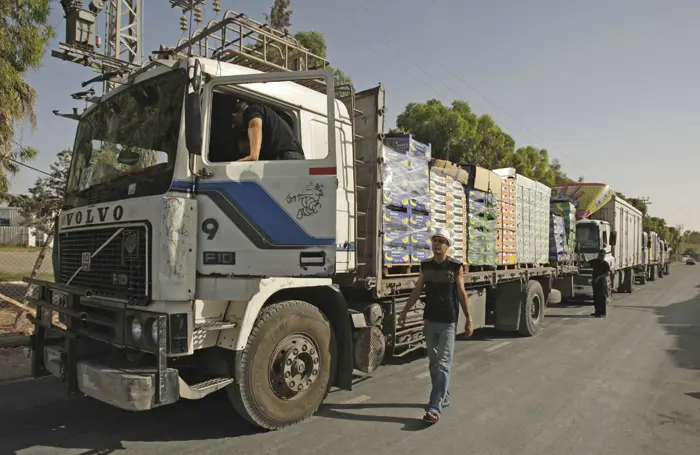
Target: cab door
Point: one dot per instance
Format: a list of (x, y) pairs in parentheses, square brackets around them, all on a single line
[(271, 218)]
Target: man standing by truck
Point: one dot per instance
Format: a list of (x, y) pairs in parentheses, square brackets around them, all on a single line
[(601, 286), (443, 280)]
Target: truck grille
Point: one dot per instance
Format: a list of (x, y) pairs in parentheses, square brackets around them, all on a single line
[(119, 269)]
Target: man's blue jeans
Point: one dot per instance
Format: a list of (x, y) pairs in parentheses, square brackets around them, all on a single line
[(440, 341)]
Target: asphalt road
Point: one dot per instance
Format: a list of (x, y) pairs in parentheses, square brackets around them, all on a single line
[(629, 384)]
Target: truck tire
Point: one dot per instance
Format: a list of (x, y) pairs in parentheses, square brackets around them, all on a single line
[(661, 271), (643, 277), (292, 346), (533, 307), (652, 273), (629, 281), (667, 269)]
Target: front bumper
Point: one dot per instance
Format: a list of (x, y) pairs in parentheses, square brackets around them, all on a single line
[(582, 285), (87, 363), (131, 389)]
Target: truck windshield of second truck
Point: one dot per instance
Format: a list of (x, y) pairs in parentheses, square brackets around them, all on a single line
[(588, 238)]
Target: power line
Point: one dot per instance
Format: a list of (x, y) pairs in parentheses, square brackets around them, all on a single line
[(524, 127), (26, 165)]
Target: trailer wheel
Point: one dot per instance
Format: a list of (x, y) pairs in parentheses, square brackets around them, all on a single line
[(287, 366), (643, 277), (667, 269), (652, 273), (533, 307), (661, 271)]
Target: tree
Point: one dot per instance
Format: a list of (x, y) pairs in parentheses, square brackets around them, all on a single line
[(280, 18), (40, 207), (457, 134), (24, 33), (42, 204)]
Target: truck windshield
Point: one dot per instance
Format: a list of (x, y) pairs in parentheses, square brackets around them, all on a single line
[(588, 238), (128, 139)]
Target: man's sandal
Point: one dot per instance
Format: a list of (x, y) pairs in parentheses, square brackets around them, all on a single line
[(431, 417)]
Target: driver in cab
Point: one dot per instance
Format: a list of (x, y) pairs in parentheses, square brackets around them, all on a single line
[(269, 136)]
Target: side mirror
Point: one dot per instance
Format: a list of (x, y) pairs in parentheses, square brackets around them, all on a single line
[(128, 157), (613, 238), (193, 123)]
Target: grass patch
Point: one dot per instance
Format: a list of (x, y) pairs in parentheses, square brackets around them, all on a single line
[(19, 249), (18, 276)]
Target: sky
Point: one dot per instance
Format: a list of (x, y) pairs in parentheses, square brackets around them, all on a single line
[(608, 88)]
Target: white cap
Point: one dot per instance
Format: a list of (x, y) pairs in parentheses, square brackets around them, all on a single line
[(442, 232)]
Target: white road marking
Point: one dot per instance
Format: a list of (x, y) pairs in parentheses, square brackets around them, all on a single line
[(497, 346), (356, 400), (423, 375), (565, 319)]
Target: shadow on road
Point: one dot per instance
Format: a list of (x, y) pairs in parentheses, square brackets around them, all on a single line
[(682, 321), (87, 424), (335, 411)]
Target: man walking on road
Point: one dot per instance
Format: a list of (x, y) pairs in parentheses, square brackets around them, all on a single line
[(443, 280), (601, 285)]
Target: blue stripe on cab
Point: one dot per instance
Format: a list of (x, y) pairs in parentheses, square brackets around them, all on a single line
[(261, 210)]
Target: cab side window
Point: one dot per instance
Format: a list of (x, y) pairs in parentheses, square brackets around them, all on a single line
[(229, 138)]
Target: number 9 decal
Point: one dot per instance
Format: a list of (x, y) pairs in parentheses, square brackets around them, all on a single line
[(210, 227)]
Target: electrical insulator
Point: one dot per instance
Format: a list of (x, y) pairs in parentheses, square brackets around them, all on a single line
[(183, 23), (198, 15), (217, 6)]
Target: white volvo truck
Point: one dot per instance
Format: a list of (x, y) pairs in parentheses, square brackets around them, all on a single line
[(616, 227), (180, 272)]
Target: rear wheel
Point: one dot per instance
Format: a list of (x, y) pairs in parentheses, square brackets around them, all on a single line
[(630, 282), (652, 273), (287, 366), (532, 309), (643, 277)]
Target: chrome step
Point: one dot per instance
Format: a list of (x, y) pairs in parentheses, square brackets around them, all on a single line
[(202, 389), (215, 325)]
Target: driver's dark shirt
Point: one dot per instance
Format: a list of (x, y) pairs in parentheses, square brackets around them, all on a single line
[(600, 267), (277, 135)]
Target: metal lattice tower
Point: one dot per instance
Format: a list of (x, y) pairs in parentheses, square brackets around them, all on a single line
[(123, 30)]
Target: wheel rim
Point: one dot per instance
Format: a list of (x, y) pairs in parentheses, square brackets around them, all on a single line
[(535, 309), (294, 366)]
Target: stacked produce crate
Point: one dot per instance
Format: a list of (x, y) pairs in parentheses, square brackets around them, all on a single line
[(449, 205), (482, 232), (567, 211), (557, 239), (532, 218), (505, 242), (406, 201)]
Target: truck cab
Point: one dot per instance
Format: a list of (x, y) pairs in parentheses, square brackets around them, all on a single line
[(591, 237), (182, 271)]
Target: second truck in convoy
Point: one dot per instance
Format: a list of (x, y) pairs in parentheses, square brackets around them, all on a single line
[(606, 222)]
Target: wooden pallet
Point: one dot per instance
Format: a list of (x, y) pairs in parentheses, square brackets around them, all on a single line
[(401, 269)]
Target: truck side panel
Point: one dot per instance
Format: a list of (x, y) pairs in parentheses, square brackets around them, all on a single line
[(626, 220)]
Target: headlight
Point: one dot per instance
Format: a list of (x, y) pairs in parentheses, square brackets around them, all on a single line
[(136, 329), (154, 331)]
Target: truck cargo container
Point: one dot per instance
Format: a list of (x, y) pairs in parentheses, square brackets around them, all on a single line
[(270, 279), (654, 255)]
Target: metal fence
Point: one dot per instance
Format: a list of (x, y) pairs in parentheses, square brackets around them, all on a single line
[(15, 264)]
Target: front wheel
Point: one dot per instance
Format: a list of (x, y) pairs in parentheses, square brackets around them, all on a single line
[(287, 366)]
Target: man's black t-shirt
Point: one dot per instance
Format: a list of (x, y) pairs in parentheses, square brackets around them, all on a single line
[(599, 267), (441, 298), (277, 135)]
